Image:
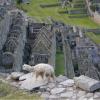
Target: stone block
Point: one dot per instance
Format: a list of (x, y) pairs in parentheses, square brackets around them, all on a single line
[(68, 82), (57, 90), (16, 75), (86, 83)]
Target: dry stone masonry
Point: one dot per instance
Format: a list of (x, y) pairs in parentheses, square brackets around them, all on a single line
[(12, 50), (25, 43), (79, 88), (4, 25), (41, 43), (36, 43)]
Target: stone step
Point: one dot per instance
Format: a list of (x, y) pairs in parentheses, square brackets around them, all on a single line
[(79, 5), (78, 16), (79, 11), (49, 5)]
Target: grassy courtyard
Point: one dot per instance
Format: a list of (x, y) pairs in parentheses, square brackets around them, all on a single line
[(34, 10), (59, 63)]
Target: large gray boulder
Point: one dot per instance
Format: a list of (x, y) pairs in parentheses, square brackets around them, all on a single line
[(86, 83), (16, 75), (30, 82), (26, 76)]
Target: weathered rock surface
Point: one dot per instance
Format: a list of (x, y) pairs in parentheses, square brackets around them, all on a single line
[(57, 90), (51, 85), (16, 75), (61, 78), (87, 83), (26, 76), (97, 95), (68, 82), (89, 95), (31, 82), (45, 95), (67, 94), (81, 93), (67, 89), (54, 97)]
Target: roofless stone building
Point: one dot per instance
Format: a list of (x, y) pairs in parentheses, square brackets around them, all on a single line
[(4, 25), (36, 43), (41, 40), (12, 50)]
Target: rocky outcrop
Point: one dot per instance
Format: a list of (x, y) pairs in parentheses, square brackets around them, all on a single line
[(16, 75), (31, 82), (63, 90)]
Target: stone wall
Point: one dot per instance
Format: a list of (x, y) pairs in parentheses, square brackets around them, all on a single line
[(41, 39), (19, 53), (4, 28), (12, 50)]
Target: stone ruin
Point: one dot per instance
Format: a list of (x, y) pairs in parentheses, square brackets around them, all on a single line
[(4, 25), (81, 55), (96, 3), (84, 53), (40, 45), (37, 43), (12, 50), (31, 44)]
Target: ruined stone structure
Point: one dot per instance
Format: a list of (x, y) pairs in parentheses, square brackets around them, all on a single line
[(4, 25), (67, 46), (64, 46), (41, 41), (88, 60), (81, 55), (85, 55), (37, 43), (96, 3), (12, 51)]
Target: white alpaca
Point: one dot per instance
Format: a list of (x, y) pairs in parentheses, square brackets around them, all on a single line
[(40, 75), (45, 71)]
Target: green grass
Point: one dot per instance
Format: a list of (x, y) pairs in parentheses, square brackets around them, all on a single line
[(11, 93), (33, 9), (59, 63), (94, 37)]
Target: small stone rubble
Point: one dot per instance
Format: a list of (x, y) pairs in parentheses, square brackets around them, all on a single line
[(62, 89), (38, 80)]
